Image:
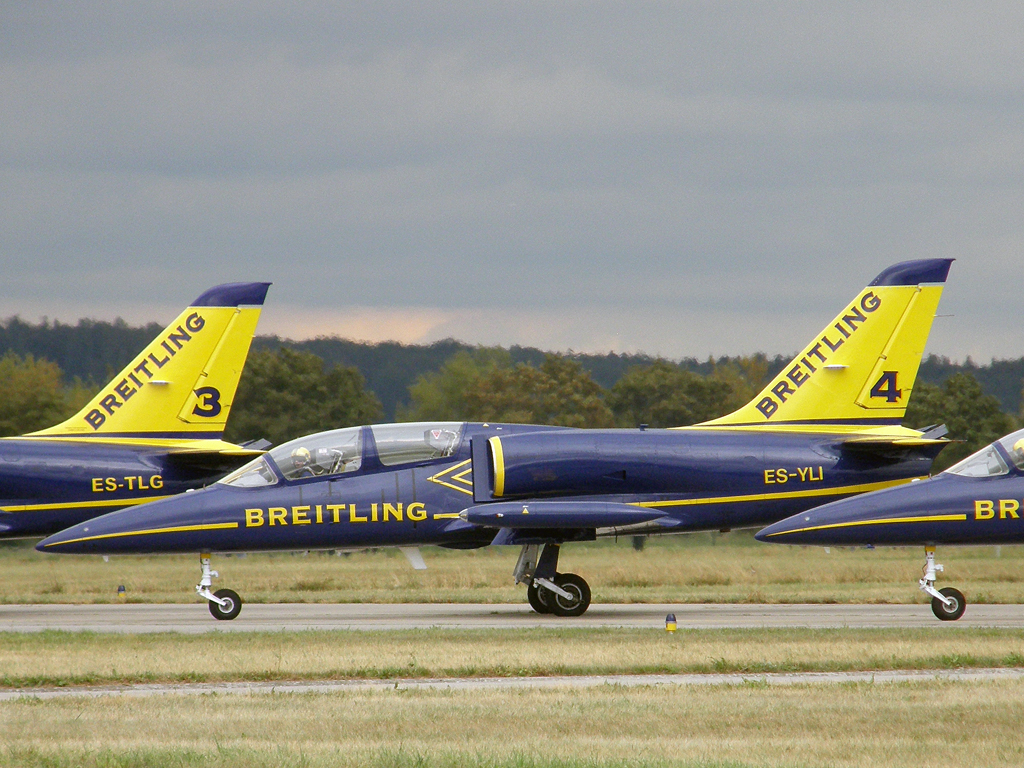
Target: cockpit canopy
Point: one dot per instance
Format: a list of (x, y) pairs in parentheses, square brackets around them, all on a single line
[(342, 451), (991, 461)]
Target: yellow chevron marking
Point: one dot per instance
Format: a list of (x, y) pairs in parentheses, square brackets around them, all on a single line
[(441, 478)]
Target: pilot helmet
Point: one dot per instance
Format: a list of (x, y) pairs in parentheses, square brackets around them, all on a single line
[(300, 457)]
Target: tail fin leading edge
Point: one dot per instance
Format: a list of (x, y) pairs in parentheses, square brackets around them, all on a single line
[(861, 368), (182, 385)]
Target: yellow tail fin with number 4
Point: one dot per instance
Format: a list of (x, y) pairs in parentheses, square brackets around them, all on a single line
[(860, 370)]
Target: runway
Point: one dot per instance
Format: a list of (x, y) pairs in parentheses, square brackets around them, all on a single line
[(196, 618)]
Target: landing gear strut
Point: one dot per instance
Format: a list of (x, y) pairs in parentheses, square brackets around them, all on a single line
[(225, 604), (561, 594), (948, 604)]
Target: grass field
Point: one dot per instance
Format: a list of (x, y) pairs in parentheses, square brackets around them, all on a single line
[(947, 723), (698, 568), (928, 723), (85, 658)]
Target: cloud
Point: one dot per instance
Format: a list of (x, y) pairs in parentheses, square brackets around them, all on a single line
[(472, 167)]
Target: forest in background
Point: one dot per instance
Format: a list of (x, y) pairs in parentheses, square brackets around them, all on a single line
[(289, 388), (93, 351)]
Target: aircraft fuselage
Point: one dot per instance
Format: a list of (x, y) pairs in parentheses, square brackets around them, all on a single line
[(694, 479), (48, 484)]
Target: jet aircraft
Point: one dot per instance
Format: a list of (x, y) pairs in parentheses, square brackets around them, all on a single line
[(978, 501), (827, 426), (153, 431)]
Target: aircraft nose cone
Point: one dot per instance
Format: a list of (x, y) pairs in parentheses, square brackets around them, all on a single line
[(872, 518), (59, 542), (147, 528), (788, 531)]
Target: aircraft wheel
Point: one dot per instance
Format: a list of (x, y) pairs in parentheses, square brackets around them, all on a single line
[(231, 608), (539, 598), (954, 610), (575, 586)]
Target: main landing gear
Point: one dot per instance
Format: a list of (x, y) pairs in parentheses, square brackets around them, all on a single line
[(225, 604), (948, 604), (561, 594)]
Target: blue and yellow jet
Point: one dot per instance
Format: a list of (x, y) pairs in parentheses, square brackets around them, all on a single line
[(827, 427), (152, 432), (978, 501)]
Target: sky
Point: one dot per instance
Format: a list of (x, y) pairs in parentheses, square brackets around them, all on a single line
[(681, 179)]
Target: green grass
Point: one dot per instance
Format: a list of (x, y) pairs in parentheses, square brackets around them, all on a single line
[(83, 658), (924, 723)]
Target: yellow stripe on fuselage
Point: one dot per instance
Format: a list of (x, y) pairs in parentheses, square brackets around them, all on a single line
[(176, 529), (185, 445), (83, 504), (890, 431), (857, 523), (837, 491)]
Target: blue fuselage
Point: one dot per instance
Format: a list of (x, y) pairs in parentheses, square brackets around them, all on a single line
[(948, 509), (47, 485), (978, 501), (697, 479)]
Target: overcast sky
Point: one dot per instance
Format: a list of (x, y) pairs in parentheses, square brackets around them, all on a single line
[(679, 178)]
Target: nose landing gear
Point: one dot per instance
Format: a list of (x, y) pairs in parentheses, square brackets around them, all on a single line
[(225, 604), (948, 604)]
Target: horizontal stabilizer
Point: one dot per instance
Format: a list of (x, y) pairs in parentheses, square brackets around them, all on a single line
[(558, 514), (930, 443), (212, 461)]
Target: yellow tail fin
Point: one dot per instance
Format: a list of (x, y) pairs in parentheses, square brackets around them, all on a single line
[(182, 385), (860, 370)]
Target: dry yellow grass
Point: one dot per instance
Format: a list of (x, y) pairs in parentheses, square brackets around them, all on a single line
[(698, 568), (61, 658), (931, 723)]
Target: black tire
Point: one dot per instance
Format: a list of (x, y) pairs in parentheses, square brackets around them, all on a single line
[(949, 612), (230, 609), (575, 586), (539, 598)]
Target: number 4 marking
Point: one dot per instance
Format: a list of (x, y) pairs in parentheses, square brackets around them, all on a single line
[(886, 387)]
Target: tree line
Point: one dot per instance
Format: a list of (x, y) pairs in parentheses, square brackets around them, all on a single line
[(93, 351)]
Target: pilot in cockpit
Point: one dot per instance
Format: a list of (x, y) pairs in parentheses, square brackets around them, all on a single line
[(302, 463), (1017, 454)]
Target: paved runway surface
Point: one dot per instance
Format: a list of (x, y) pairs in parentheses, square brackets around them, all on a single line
[(195, 618)]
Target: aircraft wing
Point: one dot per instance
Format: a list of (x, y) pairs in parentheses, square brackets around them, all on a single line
[(930, 441), (558, 514)]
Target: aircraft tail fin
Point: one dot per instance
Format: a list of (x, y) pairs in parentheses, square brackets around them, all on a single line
[(182, 385), (861, 368)]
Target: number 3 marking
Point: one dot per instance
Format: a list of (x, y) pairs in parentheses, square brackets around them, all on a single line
[(209, 402)]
